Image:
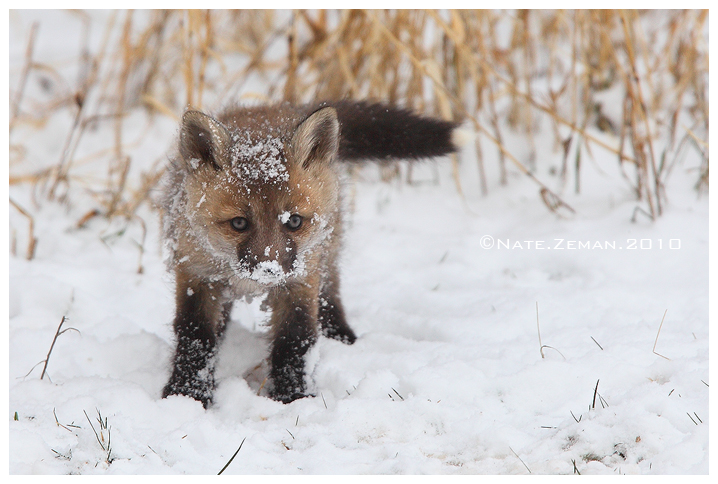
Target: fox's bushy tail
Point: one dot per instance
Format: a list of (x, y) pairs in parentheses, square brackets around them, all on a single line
[(373, 131)]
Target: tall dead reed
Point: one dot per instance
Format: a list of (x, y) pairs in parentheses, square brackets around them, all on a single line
[(507, 74)]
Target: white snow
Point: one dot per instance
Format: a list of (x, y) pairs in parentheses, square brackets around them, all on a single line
[(201, 201), (447, 375), (267, 160), (268, 272)]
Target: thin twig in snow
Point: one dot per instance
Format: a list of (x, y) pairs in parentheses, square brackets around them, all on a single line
[(233, 456), (60, 425), (539, 331), (57, 333), (519, 458), (542, 346), (657, 334), (103, 426), (597, 343), (595, 392)]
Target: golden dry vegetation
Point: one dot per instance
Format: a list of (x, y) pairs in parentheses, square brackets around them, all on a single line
[(499, 71)]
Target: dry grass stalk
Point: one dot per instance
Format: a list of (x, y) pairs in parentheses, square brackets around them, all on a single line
[(15, 111), (32, 240), (638, 101)]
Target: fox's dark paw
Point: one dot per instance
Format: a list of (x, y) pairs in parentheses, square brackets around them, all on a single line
[(288, 398), (340, 332), (343, 334), (199, 390), (333, 322)]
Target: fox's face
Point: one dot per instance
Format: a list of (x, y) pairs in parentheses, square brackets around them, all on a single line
[(258, 204)]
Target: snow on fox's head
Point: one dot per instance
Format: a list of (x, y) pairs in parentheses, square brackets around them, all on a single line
[(260, 200)]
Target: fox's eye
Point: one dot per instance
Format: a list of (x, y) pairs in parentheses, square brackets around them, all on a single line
[(240, 224), (294, 222)]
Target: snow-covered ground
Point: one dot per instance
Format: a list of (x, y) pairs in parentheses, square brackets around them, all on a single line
[(448, 375)]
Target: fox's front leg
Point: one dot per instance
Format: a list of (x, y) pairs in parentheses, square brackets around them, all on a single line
[(198, 326), (294, 332)]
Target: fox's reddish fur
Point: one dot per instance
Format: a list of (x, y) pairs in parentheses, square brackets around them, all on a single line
[(252, 205)]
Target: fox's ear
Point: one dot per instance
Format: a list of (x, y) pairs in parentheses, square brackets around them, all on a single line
[(203, 139), (316, 138)]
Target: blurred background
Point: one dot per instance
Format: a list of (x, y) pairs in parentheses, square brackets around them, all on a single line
[(633, 83)]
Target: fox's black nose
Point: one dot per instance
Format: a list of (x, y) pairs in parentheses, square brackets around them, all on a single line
[(268, 272)]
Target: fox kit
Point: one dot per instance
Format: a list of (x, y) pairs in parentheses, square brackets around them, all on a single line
[(251, 206)]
